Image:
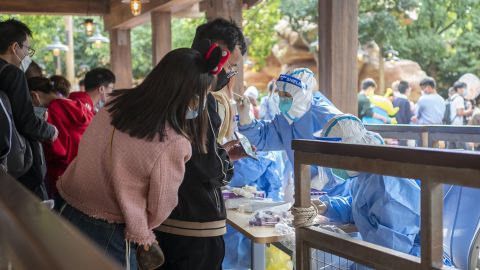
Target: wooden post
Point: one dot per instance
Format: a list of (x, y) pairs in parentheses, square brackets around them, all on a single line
[(432, 224), (302, 199), (338, 37), (161, 35), (70, 54), (230, 10), (121, 57)]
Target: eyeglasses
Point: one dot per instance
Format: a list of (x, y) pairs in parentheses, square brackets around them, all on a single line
[(232, 71), (30, 51)]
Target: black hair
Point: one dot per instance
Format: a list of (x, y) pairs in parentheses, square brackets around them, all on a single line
[(403, 87), (368, 83), (458, 85), (41, 84), (61, 84), (428, 81), (34, 70), (163, 97), (98, 77), (12, 31), (81, 82), (221, 30)]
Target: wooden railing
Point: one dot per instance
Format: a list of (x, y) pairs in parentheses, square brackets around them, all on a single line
[(434, 167), (428, 134), (34, 237)]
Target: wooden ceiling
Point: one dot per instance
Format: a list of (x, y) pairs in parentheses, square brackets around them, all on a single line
[(72, 7), (116, 14)]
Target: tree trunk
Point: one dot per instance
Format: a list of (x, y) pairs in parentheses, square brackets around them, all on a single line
[(381, 72)]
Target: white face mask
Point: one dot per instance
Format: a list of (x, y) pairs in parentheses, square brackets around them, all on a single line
[(25, 63)]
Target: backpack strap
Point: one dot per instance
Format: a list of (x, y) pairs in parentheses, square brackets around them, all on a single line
[(4, 66)]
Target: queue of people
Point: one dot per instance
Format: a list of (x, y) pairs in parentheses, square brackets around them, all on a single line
[(142, 169)]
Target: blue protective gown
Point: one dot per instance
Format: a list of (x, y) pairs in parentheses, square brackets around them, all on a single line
[(278, 134), (385, 210), (266, 173)]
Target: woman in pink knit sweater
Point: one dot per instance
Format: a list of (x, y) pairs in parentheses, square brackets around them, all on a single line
[(131, 159)]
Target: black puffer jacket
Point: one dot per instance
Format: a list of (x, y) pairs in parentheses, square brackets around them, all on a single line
[(199, 197)]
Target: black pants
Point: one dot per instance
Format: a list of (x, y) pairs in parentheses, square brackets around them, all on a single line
[(191, 253)]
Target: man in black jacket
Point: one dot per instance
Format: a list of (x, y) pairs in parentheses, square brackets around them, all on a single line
[(15, 52), (192, 237)]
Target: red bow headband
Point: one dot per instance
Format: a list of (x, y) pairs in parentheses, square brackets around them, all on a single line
[(225, 54)]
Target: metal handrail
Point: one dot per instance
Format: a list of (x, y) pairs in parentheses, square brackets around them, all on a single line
[(33, 237), (434, 166)]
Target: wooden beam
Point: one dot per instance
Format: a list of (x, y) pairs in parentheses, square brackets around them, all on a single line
[(338, 37), (228, 9), (121, 57), (190, 12), (161, 35), (90, 7), (121, 16)]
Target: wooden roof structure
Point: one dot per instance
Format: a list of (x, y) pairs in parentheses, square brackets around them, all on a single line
[(338, 34)]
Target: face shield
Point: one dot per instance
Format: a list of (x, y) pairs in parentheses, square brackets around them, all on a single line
[(295, 90)]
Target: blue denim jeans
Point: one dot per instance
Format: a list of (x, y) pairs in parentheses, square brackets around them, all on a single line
[(108, 236)]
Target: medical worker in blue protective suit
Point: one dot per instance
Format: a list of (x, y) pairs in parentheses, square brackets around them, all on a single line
[(266, 174), (385, 209), (302, 114)]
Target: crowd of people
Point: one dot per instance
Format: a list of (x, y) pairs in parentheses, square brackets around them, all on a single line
[(396, 107), (141, 168)]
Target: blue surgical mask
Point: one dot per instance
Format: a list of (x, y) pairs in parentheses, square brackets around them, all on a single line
[(99, 105), (191, 114), (284, 104)]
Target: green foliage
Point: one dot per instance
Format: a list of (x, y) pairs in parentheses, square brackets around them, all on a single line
[(141, 38), (183, 31), (300, 11), (445, 39), (45, 28), (86, 53), (379, 20), (258, 26)]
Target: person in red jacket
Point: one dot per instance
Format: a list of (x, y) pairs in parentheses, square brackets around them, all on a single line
[(71, 117), (99, 84)]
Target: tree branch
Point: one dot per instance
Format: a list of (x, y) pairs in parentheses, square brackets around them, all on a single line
[(447, 27)]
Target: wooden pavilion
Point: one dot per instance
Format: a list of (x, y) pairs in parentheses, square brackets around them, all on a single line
[(337, 34)]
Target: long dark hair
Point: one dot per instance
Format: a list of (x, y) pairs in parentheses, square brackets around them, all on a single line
[(164, 96)]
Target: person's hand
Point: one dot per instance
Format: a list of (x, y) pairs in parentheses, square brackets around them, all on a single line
[(236, 152), (414, 119), (243, 108), (321, 206), (45, 116), (55, 135), (229, 145)]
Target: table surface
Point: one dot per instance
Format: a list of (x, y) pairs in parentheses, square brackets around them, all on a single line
[(258, 234)]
